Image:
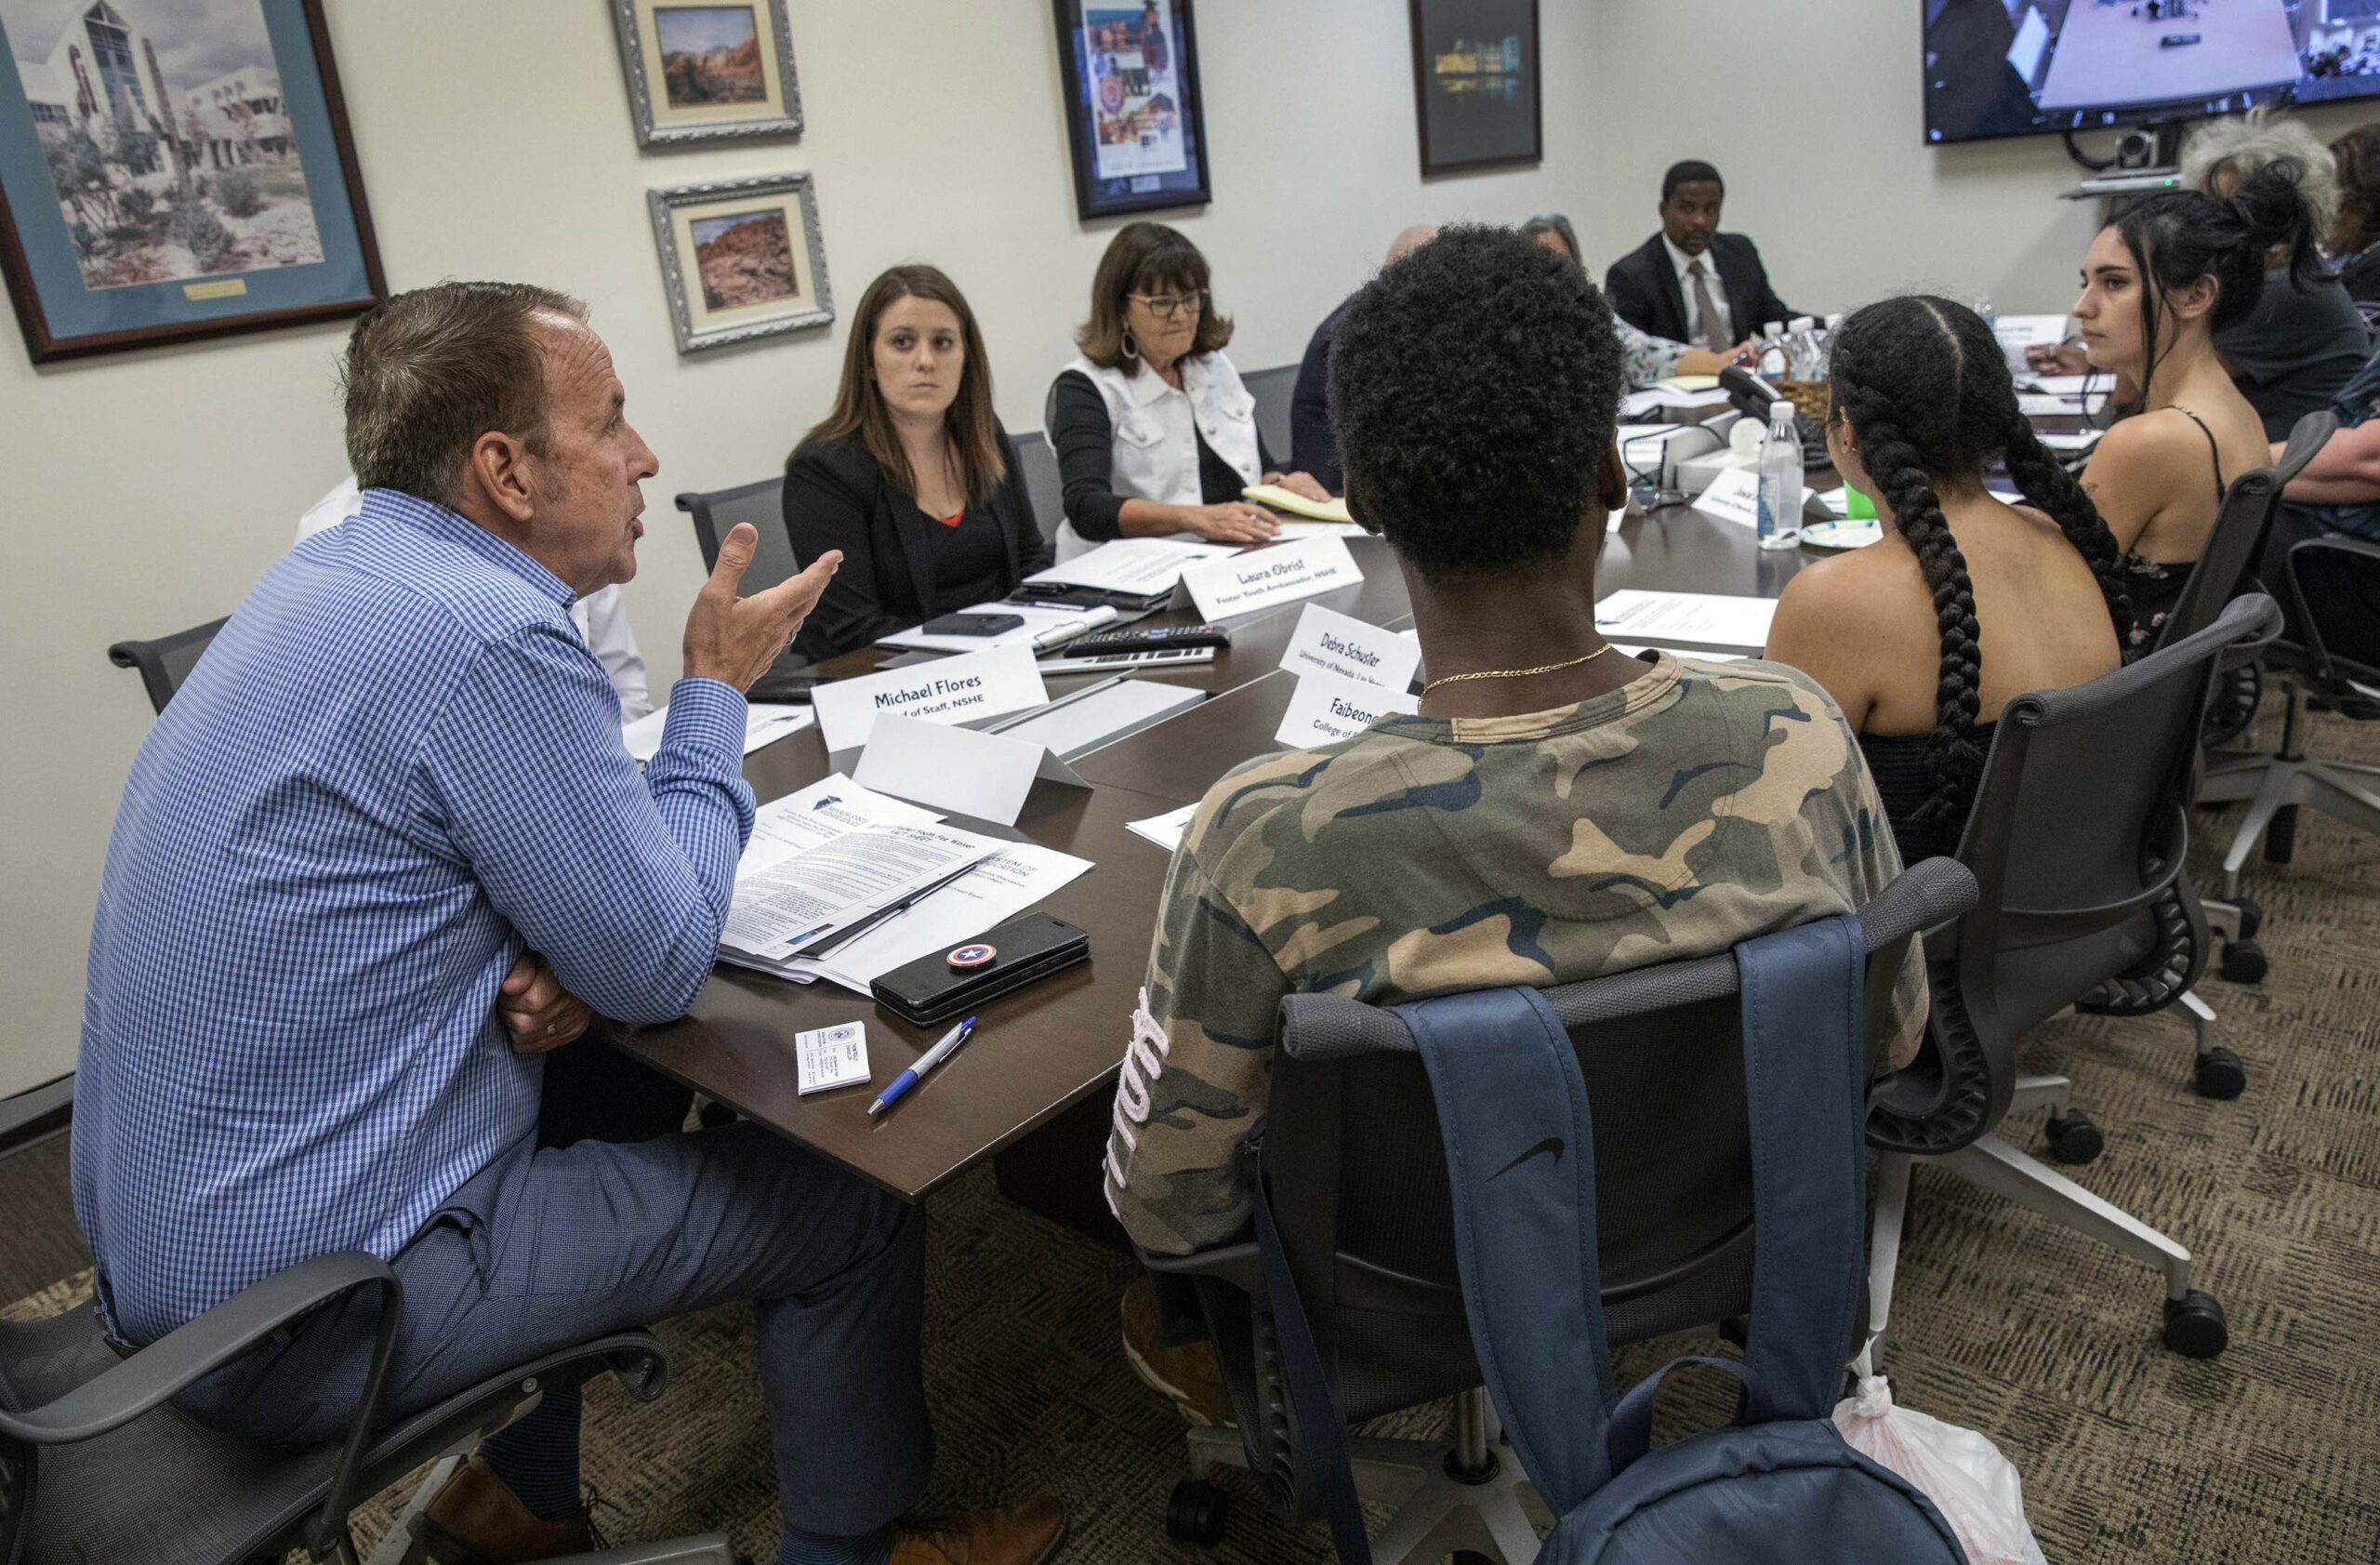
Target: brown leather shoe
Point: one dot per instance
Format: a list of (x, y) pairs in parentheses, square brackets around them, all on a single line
[(475, 1520), (1191, 1376), (1024, 1534)]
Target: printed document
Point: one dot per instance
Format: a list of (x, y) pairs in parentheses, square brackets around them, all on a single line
[(1046, 625), (807, 895), (763, 726), (1140, 567), (1166, 830), (1017, 876), (1687, 619)]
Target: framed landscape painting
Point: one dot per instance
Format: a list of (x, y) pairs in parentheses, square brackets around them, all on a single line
[(172, 169), (1133, 121), (709, 70), (1475, 85), (741, 258)]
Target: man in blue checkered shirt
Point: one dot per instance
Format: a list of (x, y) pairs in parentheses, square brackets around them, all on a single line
[(382, 852)]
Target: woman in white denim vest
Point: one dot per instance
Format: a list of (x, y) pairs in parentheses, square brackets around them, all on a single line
[(1155, 436)]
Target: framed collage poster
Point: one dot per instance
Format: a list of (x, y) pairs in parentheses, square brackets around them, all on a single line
[(1138, 135), (709, 70), (741, 258), (1476, 86), (172, 169)]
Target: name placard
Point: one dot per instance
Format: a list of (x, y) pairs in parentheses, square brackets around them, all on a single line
[(1283, 574), (947, 690), (1734, 495), (1329, 642), (966, 772), (1328, 709)]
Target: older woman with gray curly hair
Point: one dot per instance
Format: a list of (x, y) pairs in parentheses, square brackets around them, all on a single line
[(2302, 344)]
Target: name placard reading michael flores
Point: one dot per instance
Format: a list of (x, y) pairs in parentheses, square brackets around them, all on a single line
[(1329, 642), (947, 690), (1328, 709), (1283, 574)]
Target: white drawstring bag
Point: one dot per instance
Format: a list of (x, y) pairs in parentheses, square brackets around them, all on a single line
[(1974, 1488)]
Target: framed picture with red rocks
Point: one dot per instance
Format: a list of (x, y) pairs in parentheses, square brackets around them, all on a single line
[(709, 70), (741, 258)]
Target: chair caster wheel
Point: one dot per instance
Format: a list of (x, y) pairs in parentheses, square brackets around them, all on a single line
[(2243, 962), (1198, 1513), (2220, 1074), (2073, 1139), (2194, 1325)]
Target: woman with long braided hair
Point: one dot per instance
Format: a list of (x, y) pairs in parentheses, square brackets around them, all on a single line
[(2158, 285), (1967, 601)]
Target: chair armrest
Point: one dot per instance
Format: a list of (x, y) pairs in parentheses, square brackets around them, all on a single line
[(184, 1355), (1239, 1263)]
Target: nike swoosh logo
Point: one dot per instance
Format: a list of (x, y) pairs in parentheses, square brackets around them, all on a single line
[(1551, 1144)]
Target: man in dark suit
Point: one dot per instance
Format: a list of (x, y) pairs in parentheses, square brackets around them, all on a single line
[(1690, 282)]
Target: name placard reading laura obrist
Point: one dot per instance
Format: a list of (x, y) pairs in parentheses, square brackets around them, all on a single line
[(947, 690), (1329, 642), (1326, 708), (1282, 573)]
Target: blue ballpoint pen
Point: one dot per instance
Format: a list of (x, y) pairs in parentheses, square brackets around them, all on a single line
[(927, 1061)]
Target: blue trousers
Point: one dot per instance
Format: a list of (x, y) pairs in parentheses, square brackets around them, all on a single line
[(547, 1248)]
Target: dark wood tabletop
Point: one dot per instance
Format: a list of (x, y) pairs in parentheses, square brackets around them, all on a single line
[(1055, 1044)]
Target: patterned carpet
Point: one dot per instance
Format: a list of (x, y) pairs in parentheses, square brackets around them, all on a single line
[(2040, 1338)]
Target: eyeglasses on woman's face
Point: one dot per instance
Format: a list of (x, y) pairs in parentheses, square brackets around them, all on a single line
[(1165, 307)]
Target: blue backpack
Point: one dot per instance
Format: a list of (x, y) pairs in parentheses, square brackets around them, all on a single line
[(1778, 1486)]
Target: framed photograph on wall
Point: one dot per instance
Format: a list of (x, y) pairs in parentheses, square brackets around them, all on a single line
[(172, 169), (1475, 85), (741, 258), (716, 70), (1133, 122)]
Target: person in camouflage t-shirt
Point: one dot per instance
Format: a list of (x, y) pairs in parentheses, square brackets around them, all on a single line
[(1696, 806), (1668, 809)]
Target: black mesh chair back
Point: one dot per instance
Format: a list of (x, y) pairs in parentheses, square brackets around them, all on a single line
[(96, 1464), (2076, 838), (166, 662), (2227, 567), (2335, 585), (716, 511), (1358, 1180), (1273, 390), (1039, 464)]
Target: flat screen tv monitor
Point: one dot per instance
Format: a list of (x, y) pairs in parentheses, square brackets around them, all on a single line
[(2025, 66)]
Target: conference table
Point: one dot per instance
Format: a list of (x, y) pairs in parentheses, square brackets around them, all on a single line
[(1034, 1082)]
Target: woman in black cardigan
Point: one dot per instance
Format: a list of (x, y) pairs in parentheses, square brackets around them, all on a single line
[(910, 475)]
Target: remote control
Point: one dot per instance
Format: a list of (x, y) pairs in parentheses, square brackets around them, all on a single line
[(1153, 638), (1116, 662)]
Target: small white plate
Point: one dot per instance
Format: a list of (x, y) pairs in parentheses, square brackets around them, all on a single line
[(1843, 534)]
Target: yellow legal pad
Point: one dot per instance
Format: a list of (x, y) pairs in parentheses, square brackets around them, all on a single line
[(1277, 499)]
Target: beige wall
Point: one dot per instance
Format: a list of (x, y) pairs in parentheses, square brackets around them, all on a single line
[(146, 492), (1816, 119)]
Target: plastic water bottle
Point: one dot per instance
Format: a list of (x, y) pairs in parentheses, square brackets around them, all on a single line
[(1772, 362), (1781, 479)]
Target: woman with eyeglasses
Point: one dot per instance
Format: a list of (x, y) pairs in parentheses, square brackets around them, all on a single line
[(1155, 436)]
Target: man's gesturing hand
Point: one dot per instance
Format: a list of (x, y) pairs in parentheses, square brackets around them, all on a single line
[(541, 1014), (735, 639)]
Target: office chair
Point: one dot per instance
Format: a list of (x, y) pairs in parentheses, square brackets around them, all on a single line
[(1358, 1180), (2332, 656), (97, 1465), (1273, 390), (1039, 462), (2227, 567), (716, 511), (167, 661), (2070, 899)]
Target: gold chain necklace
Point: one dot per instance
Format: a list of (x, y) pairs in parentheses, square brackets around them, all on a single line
[(1517, 673)]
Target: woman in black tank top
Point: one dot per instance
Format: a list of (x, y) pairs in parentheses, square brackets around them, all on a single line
[(2156, 585), (1924, 392)]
